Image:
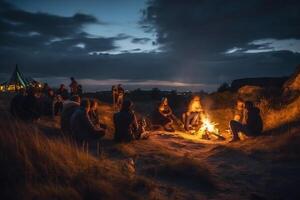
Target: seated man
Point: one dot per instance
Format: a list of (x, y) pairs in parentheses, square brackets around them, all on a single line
[(126, 125), (94, 115), (193, 118), (81, 126), (252, 124), (163, 116), (69, 108)]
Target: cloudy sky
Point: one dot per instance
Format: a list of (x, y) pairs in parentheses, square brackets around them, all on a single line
[(190, 44)]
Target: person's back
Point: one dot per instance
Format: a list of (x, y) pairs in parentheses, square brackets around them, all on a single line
[(16, 108), (66, 114), (31, 107), (254, 121), (125, 123)]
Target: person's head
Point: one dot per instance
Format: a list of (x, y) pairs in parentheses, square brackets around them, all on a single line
[(59, 98), (72, 78), (62, 86), (240, 103), (75, 98), (94, 104), (249, 105), (196, 98), (119, 85), (85, 104), (127, 105), (50, 93), (164, 101), (80, 86)]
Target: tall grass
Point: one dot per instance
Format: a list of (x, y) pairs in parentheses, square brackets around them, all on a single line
[(36, 167)]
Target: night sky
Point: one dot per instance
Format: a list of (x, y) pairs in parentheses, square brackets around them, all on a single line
[(180, 44)]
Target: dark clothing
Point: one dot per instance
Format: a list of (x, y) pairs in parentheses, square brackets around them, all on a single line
[(16, 106), (31, 108), (65, 121), (82, 128), (163, 117), (58, 107), (126, 127), (254, 121), (48, 103), (252, 127)]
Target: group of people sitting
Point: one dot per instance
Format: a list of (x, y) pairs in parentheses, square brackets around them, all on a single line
[(80, 119), (247, 119), (191, 119), (34, 102)]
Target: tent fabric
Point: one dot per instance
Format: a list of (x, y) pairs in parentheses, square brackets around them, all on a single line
[(17, 78)]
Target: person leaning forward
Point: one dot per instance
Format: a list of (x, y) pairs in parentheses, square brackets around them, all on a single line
[(81, 126)]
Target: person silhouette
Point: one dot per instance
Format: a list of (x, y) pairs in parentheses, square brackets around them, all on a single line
[(252, 124)]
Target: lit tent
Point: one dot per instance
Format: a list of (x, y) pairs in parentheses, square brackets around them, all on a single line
[(16, 82)]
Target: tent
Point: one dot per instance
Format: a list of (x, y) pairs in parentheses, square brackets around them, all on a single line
[(16, 81)]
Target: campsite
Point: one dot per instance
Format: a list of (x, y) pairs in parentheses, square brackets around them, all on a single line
[(149, 100), (40, 162)]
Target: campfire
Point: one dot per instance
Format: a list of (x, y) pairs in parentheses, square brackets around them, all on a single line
[(208, 130)]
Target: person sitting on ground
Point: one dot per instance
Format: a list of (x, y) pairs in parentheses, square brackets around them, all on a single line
[(73, 86), (58, 105), (252, 124), (126, 125), (81, 125), (94, 114), (16, 108), (69, 108), (239, 110), (164, 116), (63, 92), (192, 119), (31, 106)]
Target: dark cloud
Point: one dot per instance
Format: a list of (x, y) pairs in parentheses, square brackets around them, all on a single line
[(193, 36), (212, 26), (199, 32), (140, 40)]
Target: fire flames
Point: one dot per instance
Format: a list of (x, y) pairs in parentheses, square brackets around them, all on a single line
[(207, 129)]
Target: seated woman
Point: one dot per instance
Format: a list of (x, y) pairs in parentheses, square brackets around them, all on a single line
[(192, 119), (94, 114), (126, 125), (251, 125), (163, 116)]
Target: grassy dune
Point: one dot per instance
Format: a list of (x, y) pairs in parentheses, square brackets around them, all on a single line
[(166, 166)]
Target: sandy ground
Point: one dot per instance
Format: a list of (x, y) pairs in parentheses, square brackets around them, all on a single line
[(238, 170)]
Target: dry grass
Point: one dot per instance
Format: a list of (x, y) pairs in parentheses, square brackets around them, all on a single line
[(185, 171), (274, 118), (36, 167)]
